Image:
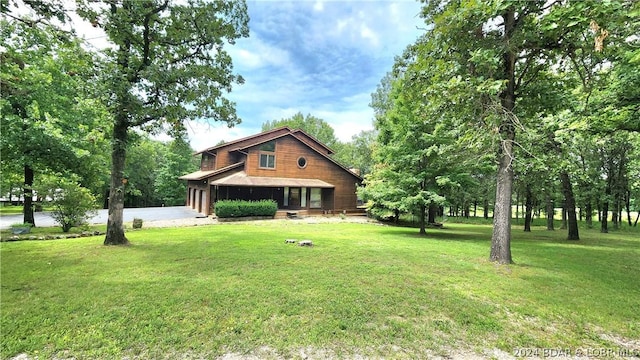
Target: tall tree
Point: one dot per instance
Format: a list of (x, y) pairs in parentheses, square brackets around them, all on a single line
[(356, 154), (178, 160), (497, 49), (413, 171), (314, 126), (168, 65), (50, 122)]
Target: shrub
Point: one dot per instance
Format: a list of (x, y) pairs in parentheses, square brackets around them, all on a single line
[(239, 208), (72, 204)]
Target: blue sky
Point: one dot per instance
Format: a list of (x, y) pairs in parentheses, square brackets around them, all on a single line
[(323, 58)]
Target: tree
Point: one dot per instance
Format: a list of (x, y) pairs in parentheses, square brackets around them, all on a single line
[(356, 154), (144, 157), (178, 160), (50, 121), (168, 65), (314, 126), (72, 204), (493, 52), (416, 150)]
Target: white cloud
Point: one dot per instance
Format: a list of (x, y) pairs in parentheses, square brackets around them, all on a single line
[(347, 123), (369, 34), (256, 54), (203, 135), (322, 58)]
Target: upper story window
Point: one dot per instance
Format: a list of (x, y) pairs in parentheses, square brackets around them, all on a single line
[(267, 155), (207, 162), (269, 146), (267, 161), (302, 162)]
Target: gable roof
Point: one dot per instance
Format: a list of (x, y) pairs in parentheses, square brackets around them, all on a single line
[(266, 136)]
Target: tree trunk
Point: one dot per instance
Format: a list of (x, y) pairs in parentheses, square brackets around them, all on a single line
[(423, 216), (485, 209), (564, 214), (605, 215), (433, 212), (550, 213), (528, 208), (517, 207), (628, 207), (614, 213), (588, 214), (570, 203), (27, 191), (115, 231), (501, 237)]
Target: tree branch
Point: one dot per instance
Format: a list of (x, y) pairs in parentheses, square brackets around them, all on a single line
[(146, 36)]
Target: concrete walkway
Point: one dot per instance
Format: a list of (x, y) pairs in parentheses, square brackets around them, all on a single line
[(171, 213)]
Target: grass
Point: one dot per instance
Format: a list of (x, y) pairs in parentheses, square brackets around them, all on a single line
[(6, 209), (375, 291), (6, 234), (10, 210)]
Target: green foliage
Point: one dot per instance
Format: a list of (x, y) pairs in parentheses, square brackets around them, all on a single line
[(145, 158), (356, 154), (50, 119), (312, 125), (168, 64), (178, 160), (240, 208), (72, 204)]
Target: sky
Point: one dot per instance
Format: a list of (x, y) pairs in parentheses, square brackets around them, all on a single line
[(323, 58)]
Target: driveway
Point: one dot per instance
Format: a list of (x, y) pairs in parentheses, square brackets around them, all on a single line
[(44, 219)]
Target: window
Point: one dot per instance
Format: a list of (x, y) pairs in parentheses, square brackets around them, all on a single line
[(315, 200), (267, 161), (270, 146), (302, 162), (303, 198), (267, 155)]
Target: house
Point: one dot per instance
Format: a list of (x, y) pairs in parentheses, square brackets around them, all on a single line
[(286, 165)]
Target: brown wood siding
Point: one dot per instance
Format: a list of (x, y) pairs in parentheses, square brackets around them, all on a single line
[(288, 150), (226, 158)]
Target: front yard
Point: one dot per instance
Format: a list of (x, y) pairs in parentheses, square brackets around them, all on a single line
[(361, 290)]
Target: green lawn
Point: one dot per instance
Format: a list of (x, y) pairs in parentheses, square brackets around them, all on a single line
[(10, 210), (363, 289)]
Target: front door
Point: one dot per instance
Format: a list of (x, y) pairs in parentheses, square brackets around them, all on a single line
[(294, 198)]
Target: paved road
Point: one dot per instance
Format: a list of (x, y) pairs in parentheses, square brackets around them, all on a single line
[(147, 214)]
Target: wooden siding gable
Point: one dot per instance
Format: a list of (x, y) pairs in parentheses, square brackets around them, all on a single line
[(289, 149)]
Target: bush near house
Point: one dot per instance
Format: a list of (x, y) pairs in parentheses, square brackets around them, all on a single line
[(240, 208)]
